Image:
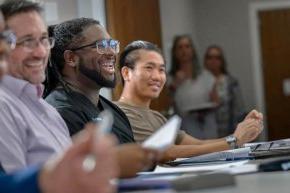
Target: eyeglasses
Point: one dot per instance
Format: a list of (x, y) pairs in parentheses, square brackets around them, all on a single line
[(9, 38), (31, 43), (103, 46)]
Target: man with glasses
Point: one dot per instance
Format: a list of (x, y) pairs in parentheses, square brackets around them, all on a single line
[(66, 173), (83, 61), (30, 129)]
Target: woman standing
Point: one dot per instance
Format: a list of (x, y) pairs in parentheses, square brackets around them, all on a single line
[(230, 109), (191, 88)]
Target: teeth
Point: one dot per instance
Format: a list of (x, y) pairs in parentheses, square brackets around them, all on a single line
[(34, 65), (108, 64), (38, 64)]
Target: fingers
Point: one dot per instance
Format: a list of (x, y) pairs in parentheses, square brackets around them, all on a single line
[(248, 130), (150, 158), (254, 114)]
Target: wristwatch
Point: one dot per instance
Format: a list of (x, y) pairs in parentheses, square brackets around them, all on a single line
[(232, 141)]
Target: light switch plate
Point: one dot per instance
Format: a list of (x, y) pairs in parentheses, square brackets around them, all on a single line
[(286, 87)]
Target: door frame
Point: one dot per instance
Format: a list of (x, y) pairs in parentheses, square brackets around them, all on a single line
[(256, 50)]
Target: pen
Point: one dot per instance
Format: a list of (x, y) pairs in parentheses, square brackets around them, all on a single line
[(103, 126)]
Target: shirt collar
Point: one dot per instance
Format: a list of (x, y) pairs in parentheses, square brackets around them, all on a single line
[(18, 86)]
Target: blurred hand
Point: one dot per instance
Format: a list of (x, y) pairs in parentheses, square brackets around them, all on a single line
[(247, 131), (213, 95), (167, 156), (66, 174), (133, 158), (254, 114), (180, 77)]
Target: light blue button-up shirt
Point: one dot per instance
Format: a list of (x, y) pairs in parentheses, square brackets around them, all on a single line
[(31, 130)]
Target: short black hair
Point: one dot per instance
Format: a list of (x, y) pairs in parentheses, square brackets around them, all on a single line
[(13, 7), (129, 56)]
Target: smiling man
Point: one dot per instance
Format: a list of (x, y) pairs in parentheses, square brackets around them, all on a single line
[(83, 61), (143, 72), (30, 129)]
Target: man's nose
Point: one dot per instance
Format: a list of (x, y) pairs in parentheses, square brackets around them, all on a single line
[(40, 51)]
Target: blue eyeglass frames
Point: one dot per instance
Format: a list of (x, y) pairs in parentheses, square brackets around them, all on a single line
[(103, 46)]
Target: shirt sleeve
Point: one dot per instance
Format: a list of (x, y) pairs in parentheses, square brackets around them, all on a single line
[(12, 139), (22, 181)]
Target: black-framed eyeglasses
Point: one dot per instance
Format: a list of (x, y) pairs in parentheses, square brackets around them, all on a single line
[(103, 46), (9, 38)]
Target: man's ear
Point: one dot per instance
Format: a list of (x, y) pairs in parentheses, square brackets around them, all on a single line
[(70, 58), (126, 73)]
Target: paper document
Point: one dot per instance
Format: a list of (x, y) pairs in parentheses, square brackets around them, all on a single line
[(165, 136), (229, 155)]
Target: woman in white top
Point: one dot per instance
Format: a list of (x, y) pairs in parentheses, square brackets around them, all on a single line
[(192, 88)]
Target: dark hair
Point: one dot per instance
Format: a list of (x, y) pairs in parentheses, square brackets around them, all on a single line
[(13, 7), (175, 66), (67, 35), (129, 56), (222, 57)]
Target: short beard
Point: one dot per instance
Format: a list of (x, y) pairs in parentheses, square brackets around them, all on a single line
[(97, 77)]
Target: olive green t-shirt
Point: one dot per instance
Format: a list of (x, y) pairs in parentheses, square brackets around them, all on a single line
[(145, 122)]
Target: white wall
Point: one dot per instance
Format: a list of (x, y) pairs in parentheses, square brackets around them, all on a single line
[(177, 17), (66, 9)]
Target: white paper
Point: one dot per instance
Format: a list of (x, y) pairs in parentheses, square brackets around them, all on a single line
[(199, 168), (165, 136)]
